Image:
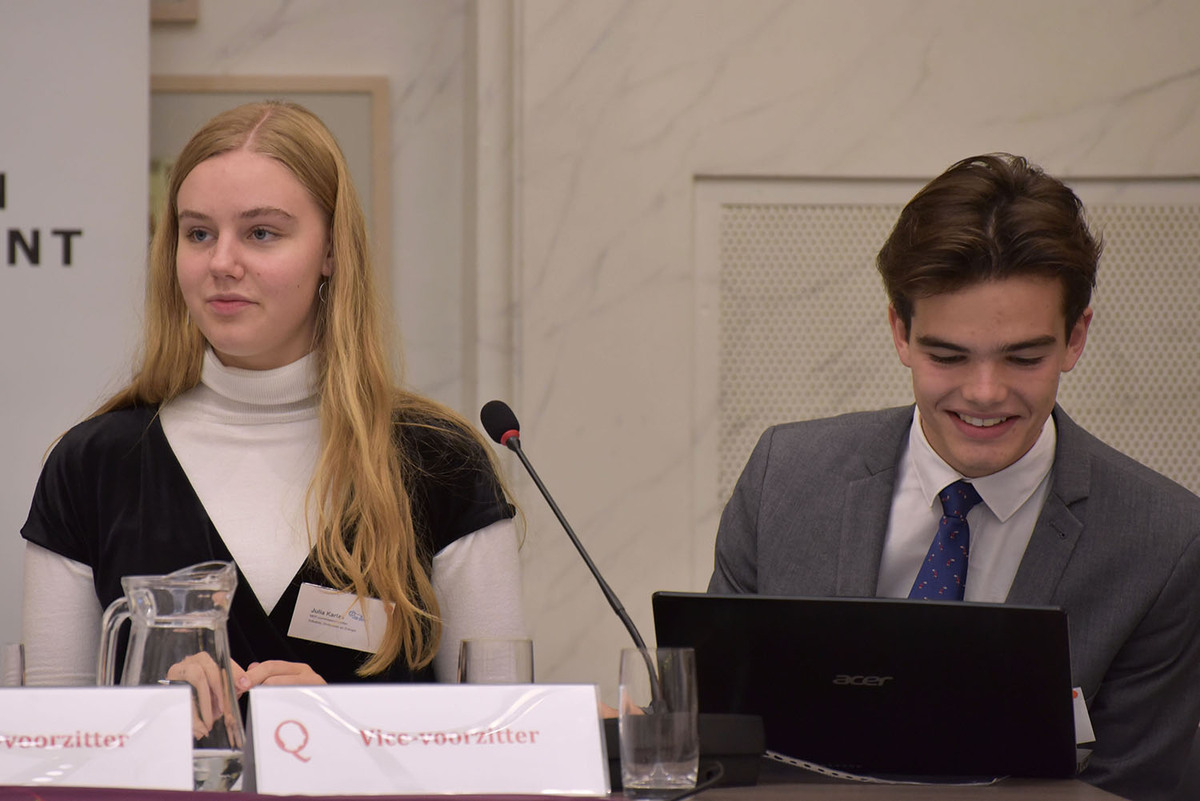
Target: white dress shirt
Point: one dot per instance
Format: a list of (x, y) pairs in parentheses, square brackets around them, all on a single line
[(1000, 526)]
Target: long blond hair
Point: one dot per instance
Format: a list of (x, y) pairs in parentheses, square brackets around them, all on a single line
[(364, 540)]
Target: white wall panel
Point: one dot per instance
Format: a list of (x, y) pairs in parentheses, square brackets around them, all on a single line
[(73, 143)]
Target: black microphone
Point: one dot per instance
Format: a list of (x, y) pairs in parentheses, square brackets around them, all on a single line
[(501, 425), (739, 738)]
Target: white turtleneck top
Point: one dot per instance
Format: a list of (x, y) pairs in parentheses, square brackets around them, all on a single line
[(248, 441)]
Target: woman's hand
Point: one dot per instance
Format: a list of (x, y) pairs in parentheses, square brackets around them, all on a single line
[(209, 701), (274, 672)]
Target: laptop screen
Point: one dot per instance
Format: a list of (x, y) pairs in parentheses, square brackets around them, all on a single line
[(884, 686)]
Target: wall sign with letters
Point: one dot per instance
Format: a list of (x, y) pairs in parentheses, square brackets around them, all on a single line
[(36, 245)]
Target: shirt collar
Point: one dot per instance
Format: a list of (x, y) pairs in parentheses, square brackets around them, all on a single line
[(1003, 492)]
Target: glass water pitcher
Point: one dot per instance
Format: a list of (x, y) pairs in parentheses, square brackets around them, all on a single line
[(178, 635)]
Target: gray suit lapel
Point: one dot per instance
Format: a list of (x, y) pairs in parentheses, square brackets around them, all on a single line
[(1060, 524), (868, 505), (864, 527)]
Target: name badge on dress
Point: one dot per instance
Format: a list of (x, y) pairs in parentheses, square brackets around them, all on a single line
[(338, 618)]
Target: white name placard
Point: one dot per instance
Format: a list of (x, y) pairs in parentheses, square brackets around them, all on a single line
[(138, 737), (407, 739)]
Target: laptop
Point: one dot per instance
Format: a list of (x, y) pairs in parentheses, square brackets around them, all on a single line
[(886, 687)]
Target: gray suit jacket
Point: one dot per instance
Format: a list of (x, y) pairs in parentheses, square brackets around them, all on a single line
[(1116, 546)]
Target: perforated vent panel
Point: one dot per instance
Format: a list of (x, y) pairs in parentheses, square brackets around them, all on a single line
[(803, 329)]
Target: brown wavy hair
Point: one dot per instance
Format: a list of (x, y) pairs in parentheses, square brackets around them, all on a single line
[(364, 540), (985, 218)]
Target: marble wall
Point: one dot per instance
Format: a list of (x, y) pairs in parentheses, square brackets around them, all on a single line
[(419, 48), (623, 106), (548, 159)]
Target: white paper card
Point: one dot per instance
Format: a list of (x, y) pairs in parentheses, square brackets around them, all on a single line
[(338, 618), (399, 739), (1083, 721), (136, 737)]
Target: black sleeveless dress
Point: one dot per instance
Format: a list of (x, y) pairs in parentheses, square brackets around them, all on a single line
[(113, 496)]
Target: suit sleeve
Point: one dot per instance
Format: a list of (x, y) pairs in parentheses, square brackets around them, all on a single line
[(735, 569), (1146, 710)]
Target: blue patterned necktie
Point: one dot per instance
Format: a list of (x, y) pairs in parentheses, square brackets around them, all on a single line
[(943, 575)]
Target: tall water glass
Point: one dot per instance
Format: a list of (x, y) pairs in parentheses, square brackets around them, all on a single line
[(660, 740), (12, 665), (496, 661)]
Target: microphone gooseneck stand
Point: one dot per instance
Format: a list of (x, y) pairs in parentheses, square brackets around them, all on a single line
[(501, 425)]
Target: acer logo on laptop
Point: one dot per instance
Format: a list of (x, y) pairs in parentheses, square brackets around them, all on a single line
[(861, 681)]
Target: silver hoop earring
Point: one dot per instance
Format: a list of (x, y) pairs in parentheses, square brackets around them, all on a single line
[(322, 292)]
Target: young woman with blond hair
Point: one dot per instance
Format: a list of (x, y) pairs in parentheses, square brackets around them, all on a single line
[(263, 426)]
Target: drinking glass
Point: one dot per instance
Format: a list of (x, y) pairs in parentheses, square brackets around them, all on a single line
[(12, 664), (496, 661), (660, 740)]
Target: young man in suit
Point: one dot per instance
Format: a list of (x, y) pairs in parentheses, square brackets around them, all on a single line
[(989, 273)]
